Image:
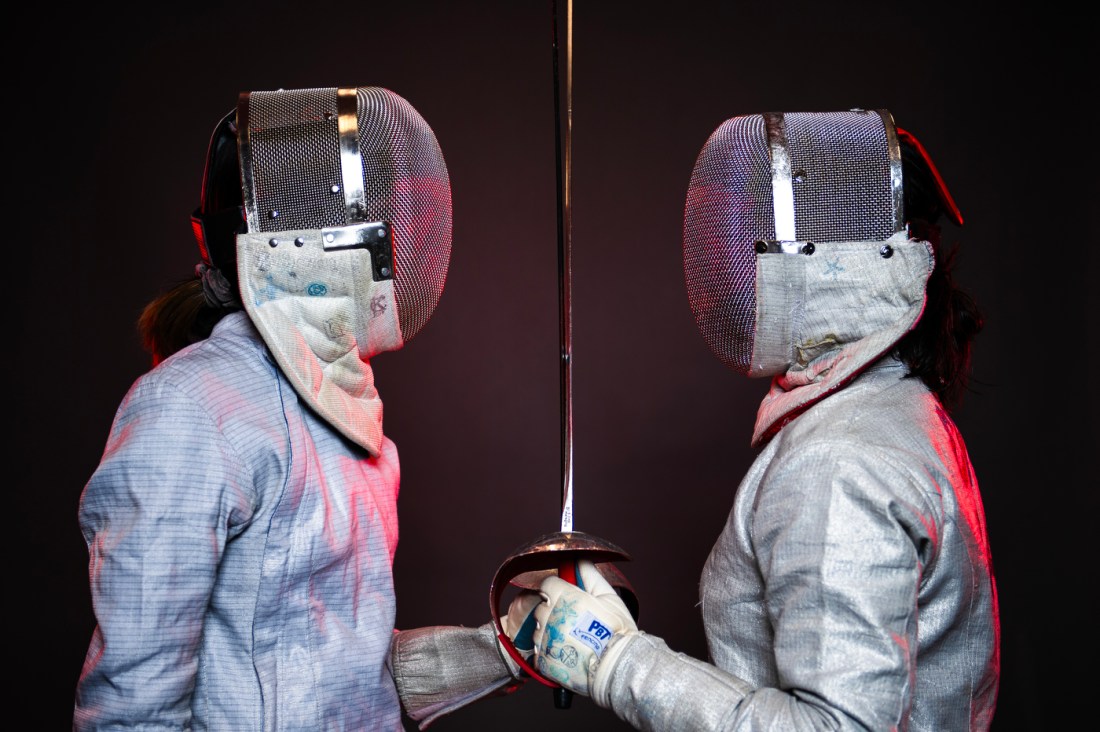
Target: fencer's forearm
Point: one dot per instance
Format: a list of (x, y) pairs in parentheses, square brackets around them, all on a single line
[(439, 669), (655, 688)]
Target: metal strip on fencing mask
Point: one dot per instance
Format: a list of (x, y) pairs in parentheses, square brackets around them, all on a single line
[(782, 187), (351, 164)]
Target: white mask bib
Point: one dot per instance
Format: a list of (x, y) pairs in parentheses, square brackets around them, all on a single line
[(323, 315)]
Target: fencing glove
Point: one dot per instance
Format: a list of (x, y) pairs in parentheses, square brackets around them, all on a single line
[(576, 623), (519, 625)]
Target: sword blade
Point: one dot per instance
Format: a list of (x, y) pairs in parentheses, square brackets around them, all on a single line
[(565, 256)]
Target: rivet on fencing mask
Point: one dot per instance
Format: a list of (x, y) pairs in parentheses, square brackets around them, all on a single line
[(300, 241), (887, 251), (761, 247), (809, 248), (274, 243)]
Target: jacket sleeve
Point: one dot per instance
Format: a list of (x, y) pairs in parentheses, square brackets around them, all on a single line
[(156, 515), (840, 535), (439, 669)]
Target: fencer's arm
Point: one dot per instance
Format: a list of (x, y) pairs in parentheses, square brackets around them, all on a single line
[(843, 661), (652, 687), (156, 522), (440, 669)]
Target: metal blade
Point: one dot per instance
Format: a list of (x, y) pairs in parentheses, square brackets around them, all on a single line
[(565, 257)]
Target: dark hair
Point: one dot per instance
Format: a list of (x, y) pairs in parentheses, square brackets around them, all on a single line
[(937, 350), (177, 318)]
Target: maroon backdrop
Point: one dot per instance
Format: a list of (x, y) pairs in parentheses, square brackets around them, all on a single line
[(108, 123)]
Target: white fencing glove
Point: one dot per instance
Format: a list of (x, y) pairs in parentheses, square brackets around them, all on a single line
[(519, 625), (575, 625)]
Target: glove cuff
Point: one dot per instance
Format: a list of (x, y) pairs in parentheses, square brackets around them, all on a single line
[(438, 669), (513, 668), (603, 668)]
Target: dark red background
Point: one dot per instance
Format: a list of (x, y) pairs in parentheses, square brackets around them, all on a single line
[(108, 118)]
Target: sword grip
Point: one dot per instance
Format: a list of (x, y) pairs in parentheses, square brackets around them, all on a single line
[(563, 698)]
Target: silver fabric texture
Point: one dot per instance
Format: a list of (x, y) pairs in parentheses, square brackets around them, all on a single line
[(291, 165), (240, 556), (851, 589), (653, 687), (841, 189), (440, 669)]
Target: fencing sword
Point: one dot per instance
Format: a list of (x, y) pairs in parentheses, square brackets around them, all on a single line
[(558, 552), (563, 166)]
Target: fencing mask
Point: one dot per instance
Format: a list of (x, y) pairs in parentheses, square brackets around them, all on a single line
[(795, 240), (339, 241)]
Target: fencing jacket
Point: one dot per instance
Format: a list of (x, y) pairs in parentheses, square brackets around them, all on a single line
[(240, 556), (852, 586)]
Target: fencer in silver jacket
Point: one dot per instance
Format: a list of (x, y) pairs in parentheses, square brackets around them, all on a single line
[(242, 522), (220, 523), (852, 587), (241, 555)]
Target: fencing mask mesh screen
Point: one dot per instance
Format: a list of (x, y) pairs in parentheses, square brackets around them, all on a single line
[(812, 176), (296, 175)]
